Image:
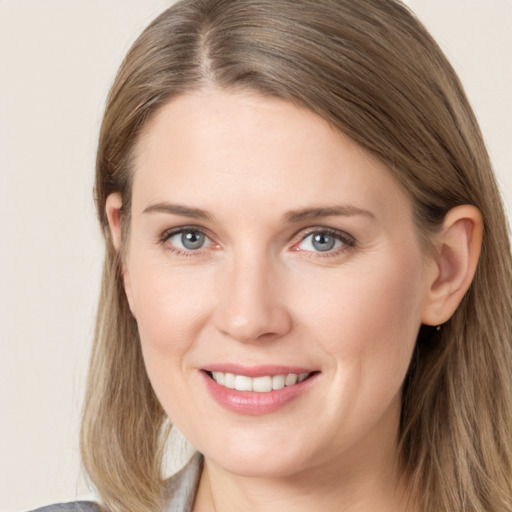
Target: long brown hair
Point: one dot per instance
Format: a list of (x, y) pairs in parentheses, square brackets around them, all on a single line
[(370, 69)]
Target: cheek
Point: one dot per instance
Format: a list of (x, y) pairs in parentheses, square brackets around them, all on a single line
[(369, 318), (367, 323), (169, 305)]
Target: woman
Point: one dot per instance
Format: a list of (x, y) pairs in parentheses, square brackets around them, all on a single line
[(307, 271)]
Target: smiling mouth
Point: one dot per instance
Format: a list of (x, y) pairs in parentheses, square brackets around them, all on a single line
[(263, 384)]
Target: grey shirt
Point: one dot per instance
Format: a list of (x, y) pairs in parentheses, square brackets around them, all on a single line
[(180, 492)]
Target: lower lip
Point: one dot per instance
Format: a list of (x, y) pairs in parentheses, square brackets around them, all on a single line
[(252, 403)]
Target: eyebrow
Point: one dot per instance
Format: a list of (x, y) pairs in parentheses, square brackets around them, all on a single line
[(292, 216), (295, 216), (177, 209)]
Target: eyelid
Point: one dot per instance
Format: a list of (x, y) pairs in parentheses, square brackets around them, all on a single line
[(347, 240), (164, 237)]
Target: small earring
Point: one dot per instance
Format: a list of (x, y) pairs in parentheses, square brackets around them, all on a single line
[(438, 328)]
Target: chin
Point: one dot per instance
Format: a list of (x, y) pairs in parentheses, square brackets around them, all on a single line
[(259, 459)]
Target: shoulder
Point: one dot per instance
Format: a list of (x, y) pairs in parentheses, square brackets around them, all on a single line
[(75, 506), (180, 490)]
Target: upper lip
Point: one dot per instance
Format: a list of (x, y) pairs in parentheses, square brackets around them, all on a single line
[(257, 370)]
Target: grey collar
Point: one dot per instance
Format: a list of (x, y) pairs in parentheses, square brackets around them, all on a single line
[(181, 488)]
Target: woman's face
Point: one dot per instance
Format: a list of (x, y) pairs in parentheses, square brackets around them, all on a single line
[(269, 252)]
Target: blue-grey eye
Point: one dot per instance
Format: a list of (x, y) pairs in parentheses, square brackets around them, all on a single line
[(189, 240), (320, 241)]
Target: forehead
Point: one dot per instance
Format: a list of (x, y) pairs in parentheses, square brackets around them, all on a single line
[(222, 148)]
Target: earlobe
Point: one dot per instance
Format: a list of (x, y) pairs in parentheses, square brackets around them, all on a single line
[(457, 249)]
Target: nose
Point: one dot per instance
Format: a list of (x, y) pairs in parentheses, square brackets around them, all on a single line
[(252, 302)]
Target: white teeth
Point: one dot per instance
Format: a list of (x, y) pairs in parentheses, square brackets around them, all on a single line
[(262, 384), (291, 379), (243, 383), (229, 380), (219, 377), (259, 384), (278, 381)]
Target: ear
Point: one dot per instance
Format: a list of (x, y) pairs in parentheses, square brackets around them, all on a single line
[(113, 211), (457, 249)]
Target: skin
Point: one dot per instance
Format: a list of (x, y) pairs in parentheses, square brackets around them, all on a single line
[(258, 292)]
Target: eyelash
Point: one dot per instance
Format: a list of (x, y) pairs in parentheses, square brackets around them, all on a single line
[(347, 241), (166, 235)]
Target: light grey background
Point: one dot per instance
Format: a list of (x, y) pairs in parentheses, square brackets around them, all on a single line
[(57, 60)]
